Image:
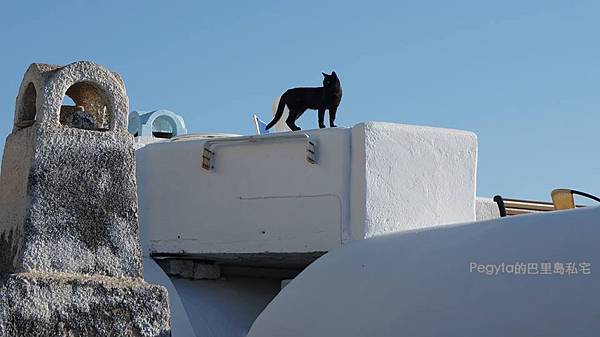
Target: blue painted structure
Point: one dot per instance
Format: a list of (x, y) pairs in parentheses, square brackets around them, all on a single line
[(156, 124)]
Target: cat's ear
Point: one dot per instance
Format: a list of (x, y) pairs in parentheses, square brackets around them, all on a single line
[(334, 74), (325, 75)]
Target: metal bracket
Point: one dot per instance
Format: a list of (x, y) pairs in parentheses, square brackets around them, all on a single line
[(207, 156), (311, 155), (209, 152)]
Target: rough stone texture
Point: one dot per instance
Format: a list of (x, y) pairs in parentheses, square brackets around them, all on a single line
[(82, 120), (69, 195), (16, 164), (41, 304), (70, 257), (82, 220), (89, 85)]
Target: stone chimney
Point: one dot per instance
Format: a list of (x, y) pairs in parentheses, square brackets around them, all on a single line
[(70, 257)]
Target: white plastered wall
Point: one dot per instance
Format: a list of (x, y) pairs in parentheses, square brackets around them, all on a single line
[(258, 197), (372, 179), (407, 177)]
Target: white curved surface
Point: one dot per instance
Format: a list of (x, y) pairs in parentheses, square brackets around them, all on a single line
[(212, 308), (419, 283), (181, 325), (225, 307)]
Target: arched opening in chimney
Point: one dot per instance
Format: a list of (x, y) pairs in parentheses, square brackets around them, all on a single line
[(88, 108), (27, 110)]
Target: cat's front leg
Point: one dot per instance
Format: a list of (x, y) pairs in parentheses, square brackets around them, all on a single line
[(322, 118), (332, 112)]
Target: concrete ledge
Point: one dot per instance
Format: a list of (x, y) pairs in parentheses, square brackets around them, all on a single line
[(173, 264)]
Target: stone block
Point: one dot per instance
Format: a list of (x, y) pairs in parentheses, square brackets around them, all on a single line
[(55, 304), (203, 271), (191, 269), (183, 268)]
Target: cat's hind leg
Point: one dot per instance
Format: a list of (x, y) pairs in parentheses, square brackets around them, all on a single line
[(291, 122)]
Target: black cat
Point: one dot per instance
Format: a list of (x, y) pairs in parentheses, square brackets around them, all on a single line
[(327, 97)]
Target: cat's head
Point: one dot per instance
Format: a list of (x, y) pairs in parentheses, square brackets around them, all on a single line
[(330, 80)]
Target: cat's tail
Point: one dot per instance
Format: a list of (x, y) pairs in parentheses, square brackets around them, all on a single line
[(279, 112)]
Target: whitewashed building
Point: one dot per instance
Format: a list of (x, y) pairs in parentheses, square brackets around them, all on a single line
[(387, 211)]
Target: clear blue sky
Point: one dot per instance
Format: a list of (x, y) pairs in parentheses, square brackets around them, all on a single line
[(523, 75)]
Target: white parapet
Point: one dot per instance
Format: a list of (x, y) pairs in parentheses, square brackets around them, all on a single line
[(409, 177), (260, 194)]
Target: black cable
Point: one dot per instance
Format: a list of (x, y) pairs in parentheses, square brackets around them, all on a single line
[(587, 195)]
